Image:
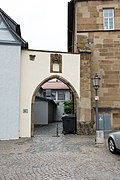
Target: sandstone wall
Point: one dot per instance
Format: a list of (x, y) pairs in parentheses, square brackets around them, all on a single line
[(105, 55)]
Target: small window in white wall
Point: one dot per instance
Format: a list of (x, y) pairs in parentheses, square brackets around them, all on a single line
[(61, 95), (108, 15)]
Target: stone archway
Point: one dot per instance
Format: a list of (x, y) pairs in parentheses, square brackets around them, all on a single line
[(72, 89), (37, 67)]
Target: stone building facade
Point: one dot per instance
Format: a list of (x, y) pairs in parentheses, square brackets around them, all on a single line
[(93, 47), (94, 28)]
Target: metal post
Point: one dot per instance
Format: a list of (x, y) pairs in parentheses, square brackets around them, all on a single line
[(99, 133), (97, 115), (57, 131)]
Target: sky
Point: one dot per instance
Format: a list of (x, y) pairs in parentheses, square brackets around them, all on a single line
[(43, 22)]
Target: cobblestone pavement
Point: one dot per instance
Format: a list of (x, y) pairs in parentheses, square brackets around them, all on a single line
[(47, 157)]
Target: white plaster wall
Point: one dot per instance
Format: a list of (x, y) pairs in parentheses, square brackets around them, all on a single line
[(9, 91), (34, 72)]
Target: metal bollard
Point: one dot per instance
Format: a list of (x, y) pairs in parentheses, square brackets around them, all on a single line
[(56, 132)]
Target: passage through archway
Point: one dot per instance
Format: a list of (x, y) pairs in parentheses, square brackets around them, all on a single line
[(45, 99)]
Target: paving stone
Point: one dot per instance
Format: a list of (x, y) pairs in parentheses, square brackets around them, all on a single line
[(67, 157)]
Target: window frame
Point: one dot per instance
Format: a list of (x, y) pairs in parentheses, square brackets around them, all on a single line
[(58, 95), (108, 18)]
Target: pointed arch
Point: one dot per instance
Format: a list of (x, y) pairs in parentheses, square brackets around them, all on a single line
[(72, 89), (59, 78)]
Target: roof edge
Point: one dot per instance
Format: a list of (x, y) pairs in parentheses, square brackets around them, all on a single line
[(17, 33)]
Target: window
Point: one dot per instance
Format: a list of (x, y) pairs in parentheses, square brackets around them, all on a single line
[(44, 93), (48, 92), (61, 95), (108, 15), (53, 94)]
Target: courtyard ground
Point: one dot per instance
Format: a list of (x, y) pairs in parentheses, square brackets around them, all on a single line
[(47, 157)]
